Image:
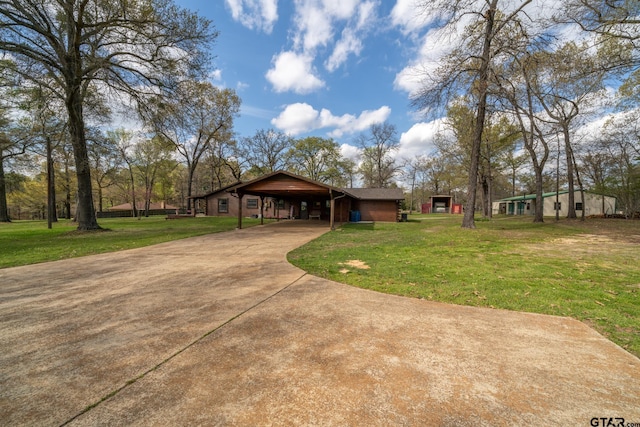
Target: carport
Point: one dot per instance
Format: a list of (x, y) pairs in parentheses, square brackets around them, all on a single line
[(313, 199)]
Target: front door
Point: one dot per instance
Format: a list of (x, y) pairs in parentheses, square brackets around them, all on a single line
[(304, 210)]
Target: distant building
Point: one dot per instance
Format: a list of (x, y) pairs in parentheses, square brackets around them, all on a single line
[(285, 195), (594, 204)]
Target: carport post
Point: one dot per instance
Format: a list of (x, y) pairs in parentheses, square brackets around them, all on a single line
[(240, 195), (332, 209), (261, 210)]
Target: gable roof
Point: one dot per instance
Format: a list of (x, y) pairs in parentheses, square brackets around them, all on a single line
[(375, 193), (283, 184)]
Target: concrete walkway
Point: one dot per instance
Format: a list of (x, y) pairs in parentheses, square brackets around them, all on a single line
[(221, 330)]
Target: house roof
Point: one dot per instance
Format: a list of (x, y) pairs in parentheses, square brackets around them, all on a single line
[(229, 187), (285, 185), (375, 193)]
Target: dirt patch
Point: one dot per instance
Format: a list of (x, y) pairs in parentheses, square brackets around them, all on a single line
[(356, 263), (587, 244)]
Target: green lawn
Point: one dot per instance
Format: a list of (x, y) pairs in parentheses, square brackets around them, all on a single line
[(29, 242), (586, 270)]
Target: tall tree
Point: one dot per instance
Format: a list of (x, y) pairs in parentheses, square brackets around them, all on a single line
[(516, 89), (378, 166), (124, 142), (75, 46), (564, 82), (12, 144), (470, 64), (265, 152), (105, 161), (152, 157), (314, 157), (619, 144), (199, 115)]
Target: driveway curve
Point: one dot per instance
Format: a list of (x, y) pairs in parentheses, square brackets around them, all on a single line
[(221, 330)]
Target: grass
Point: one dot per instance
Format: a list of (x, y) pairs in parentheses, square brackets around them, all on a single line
[(30, 242), (586, 270)]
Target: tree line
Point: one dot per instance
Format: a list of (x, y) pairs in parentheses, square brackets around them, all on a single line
[(514, 92), (517, 92)]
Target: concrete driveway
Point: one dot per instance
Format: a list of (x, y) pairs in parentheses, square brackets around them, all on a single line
[(221, 330)]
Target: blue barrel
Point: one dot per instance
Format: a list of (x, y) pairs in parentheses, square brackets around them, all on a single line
[(354, 216)]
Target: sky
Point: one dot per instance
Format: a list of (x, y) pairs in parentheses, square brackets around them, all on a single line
[(328, 68), (333, 68)]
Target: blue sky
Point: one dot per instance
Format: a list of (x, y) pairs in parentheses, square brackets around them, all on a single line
[(330, 68)]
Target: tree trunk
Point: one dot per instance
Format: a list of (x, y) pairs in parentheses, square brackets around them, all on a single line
[(192, 172), (571, 213), (51, 187), (468, 220), (4, 211), (86, 215)]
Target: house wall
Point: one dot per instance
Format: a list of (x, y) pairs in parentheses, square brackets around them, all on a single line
[(377, 210), (270, 209), (593, 204)]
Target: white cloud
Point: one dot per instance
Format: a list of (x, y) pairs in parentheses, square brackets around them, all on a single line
[(216, 75), (301, 117), (297, 118), (260, 15), (293, 72), (418, 140), (350, 152), (349, 43), (406, 15), (351, 39)]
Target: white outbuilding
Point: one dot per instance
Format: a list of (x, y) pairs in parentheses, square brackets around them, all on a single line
[(594, 204)]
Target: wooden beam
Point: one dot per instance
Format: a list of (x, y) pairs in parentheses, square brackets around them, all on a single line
[(332, 210), (240, 195), (261, 210)]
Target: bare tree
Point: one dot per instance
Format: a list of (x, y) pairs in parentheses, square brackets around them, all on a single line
[(379, 166), (199, 115), (76, 45), (265, 152)]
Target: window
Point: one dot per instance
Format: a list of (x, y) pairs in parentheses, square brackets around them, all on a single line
[(223, 205), (252, 203), (578, 206), (557, 206), (280, 204)]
